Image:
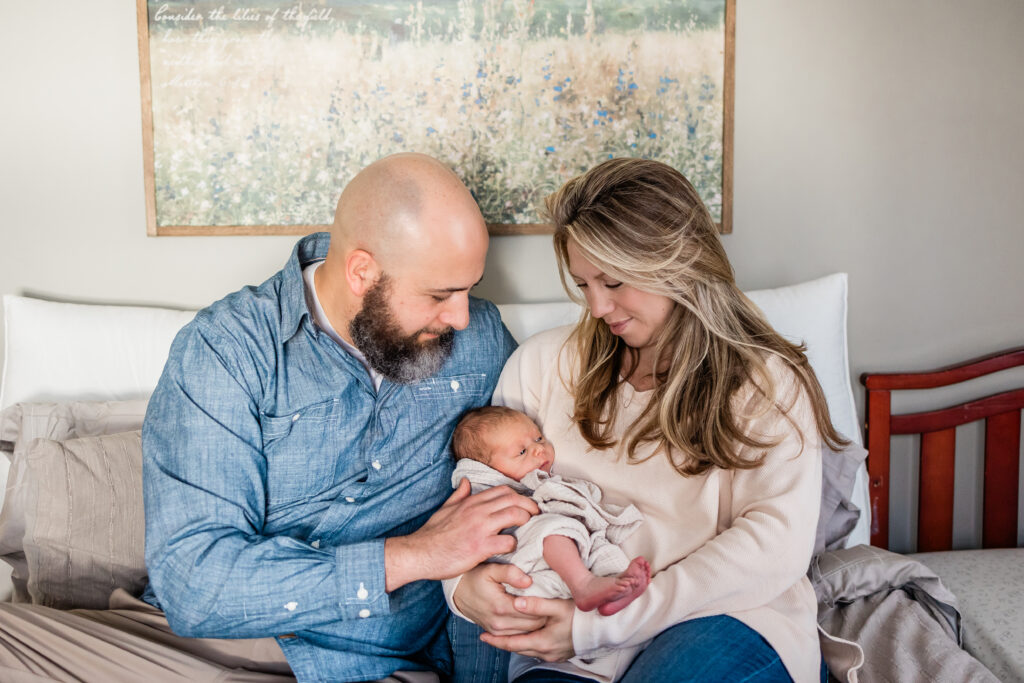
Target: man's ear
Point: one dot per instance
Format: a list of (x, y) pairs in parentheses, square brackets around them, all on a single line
[(361, 271)]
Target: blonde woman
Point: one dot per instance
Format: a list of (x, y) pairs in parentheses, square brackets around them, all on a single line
[(672, 393)]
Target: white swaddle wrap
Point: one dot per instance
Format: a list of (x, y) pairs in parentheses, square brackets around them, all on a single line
[(568, 507)]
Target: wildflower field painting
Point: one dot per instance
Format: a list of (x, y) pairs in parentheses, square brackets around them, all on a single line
[(256, 114)]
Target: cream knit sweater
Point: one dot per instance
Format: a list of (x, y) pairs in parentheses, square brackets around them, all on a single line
[(734, 542)]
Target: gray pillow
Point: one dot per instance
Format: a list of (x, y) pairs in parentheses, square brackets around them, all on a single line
[(20, 425), (839, 514), (84, 520)]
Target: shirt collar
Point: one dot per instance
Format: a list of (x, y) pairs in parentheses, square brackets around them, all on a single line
[(293, 294)]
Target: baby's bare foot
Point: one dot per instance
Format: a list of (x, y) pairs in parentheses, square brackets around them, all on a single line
[(609, 594)]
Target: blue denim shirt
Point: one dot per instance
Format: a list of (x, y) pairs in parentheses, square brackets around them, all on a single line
[(273, 472)]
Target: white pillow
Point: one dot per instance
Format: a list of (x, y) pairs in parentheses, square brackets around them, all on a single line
[(64, 352), (526, 320), (814, 313)]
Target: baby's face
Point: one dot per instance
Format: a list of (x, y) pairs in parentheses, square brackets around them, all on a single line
[(517, 447)]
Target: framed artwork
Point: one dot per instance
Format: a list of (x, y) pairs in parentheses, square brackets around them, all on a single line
[(256, 114)]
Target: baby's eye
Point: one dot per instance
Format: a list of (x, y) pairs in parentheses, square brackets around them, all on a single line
[(522, 451), (539, 439)]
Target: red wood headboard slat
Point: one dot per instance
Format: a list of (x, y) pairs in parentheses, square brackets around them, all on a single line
[(935, 496), (954, 416), (1002, 472)]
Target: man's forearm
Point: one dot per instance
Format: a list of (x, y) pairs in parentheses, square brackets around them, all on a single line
[(240, 588)]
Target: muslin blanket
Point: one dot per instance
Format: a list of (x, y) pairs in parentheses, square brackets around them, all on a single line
[(568, 507)]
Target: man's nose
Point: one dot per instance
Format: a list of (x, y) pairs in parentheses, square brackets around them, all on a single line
[(456, 312)]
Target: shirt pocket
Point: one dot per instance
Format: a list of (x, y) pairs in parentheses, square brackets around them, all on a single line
[(440, 402), (302, 450), (457, 390)]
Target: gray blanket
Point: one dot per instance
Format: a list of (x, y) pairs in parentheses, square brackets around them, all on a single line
[(886, 617)]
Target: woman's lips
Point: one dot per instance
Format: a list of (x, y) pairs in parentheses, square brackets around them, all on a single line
[(618, 327)]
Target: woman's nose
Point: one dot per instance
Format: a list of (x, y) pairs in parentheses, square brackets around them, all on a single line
[(599, 303)]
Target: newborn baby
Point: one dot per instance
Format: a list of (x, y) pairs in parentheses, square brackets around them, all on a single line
[(495, 445)]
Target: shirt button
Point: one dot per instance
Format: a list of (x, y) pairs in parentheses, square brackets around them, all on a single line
[(376, 464), (362, 593), (350, 499), (295, 417), (455, 385), (316, 543), (364, 613)]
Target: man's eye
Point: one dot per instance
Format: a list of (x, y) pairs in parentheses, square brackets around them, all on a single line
[(439, 299)]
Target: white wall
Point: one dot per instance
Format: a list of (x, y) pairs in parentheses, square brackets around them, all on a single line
[(881, 138)]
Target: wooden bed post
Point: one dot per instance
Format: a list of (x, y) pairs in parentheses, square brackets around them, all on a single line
[(878, 411)]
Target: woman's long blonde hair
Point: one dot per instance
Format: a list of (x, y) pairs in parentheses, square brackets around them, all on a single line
[(642, 223)]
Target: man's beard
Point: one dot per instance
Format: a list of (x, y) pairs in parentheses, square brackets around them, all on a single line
[(398, 357)]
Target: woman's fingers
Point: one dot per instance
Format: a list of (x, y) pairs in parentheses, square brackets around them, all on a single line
[(552, 643)]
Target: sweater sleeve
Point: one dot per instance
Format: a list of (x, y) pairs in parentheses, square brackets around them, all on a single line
[(769, 516)]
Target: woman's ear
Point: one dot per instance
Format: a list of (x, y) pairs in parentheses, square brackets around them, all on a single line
[(361, 271)]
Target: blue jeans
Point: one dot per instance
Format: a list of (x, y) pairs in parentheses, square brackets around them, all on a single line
[(717, 648)]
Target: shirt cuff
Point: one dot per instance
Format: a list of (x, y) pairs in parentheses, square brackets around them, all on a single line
[(585, 633), (360, 571), (449, 586)]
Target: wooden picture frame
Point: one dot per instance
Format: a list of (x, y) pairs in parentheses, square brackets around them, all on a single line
[(239, 137)]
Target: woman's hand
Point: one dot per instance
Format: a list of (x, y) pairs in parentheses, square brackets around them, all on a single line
[(481, 598), (553, 642)]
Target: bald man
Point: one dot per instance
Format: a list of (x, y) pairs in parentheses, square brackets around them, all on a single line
[(296, 462)]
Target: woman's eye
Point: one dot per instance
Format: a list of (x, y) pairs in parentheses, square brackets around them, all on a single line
[(581, 285), (615, 285)]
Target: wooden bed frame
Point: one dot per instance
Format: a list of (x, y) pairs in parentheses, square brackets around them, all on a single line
[(937, 428)]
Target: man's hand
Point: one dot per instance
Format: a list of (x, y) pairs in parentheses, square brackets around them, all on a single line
[(553, 643), (460, 535), (481, 598)]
